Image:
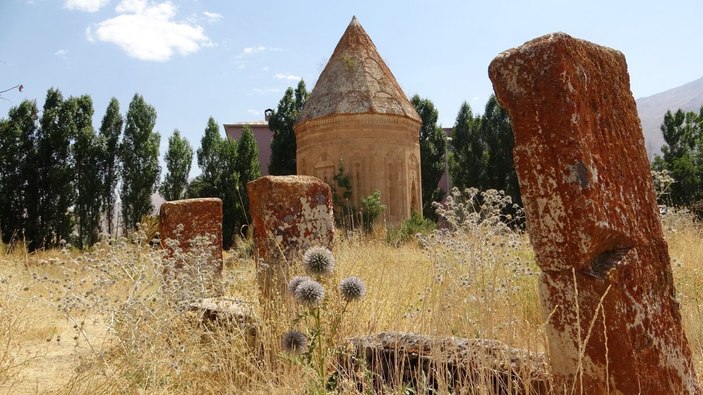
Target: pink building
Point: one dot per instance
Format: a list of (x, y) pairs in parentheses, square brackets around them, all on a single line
[(263, 136)]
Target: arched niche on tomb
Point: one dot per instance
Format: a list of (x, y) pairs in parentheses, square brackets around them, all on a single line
[(415, 194)]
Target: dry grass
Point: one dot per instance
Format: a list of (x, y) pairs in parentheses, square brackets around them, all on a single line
[(101, 322)]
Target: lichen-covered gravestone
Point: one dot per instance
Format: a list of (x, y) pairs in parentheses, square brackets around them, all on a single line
[(613, 322), (191, 233), (290, 214)]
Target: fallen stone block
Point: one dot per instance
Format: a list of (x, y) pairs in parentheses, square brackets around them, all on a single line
[(426, 364)]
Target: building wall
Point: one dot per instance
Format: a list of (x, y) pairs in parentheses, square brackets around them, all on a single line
[(379, 153)]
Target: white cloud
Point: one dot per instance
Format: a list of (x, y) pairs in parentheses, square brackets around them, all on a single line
[(265, 68), (261, 92), (212, 16), (147, 31), (287, 77), (255, 112), (85, 5), (253, 50), (61, 52)]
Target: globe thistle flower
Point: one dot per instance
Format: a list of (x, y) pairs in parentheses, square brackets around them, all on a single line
[(294, 342), (352, 288), (318, 260), (309, 293), (295, 281)]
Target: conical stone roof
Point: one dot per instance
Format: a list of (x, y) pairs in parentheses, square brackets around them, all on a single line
[(356, 81)]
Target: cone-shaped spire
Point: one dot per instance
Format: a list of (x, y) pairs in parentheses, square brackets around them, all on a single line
[(356, 80)]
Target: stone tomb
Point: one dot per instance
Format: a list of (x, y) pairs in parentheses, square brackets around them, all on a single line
[(613, 322), (191, 234), (290, 214)]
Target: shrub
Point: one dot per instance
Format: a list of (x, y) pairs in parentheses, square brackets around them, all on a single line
[(414, 226)]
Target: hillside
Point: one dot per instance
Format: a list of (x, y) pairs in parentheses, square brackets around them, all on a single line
[(688, 97)]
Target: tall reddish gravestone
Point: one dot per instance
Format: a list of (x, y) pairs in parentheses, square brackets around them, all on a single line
[(613, 323), (182, 223), (290, 214)]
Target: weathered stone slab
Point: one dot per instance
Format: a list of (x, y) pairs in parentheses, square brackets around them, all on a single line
[(613, 321), (290, 214), (231, 314), (442, 365), (191, 233)]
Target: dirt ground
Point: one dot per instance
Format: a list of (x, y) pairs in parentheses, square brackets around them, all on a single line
[(49, 363)]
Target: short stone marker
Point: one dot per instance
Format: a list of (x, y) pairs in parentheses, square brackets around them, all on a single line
[(189, 225), (290, 214), (606, 286)]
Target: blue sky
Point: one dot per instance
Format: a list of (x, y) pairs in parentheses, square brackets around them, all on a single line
[(192, 59)]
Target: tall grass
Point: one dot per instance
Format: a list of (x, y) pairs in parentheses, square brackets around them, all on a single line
[(123, 331)]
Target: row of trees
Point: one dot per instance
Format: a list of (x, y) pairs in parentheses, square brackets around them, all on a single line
[(682, 157), (59, 177), (482, 155)]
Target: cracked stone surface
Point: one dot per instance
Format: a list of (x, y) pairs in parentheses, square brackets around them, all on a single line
[(290, 214), (607, 292), (184, 220)]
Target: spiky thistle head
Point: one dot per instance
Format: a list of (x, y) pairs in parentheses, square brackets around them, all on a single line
[(295, 281), (309, 293), (352, 288), (319, 261), (294, 342)]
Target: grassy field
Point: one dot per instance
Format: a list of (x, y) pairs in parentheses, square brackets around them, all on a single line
[(101, 321)]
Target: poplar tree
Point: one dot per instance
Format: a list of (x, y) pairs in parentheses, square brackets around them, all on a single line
[(87, 154), (247, 167), (281, 121), (466, 162), (433, 151), (178, 161), (18, 173), (209, 160), (110, 132), (217, 160), (56, 189), (139, 154), (498, 135), (227, 183)]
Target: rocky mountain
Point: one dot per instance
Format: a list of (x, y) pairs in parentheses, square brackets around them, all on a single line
[(688, 97)]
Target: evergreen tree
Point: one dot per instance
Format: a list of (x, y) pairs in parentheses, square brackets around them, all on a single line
[(281, 123), (87, 153), (18, 173), (498, 134), (178, 161), (217, 159), (209, 158), (56, 189), (467, 161), (110, 131), (247, 164), (139, 154), (227, 183), (683, 155), (433, 149)]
